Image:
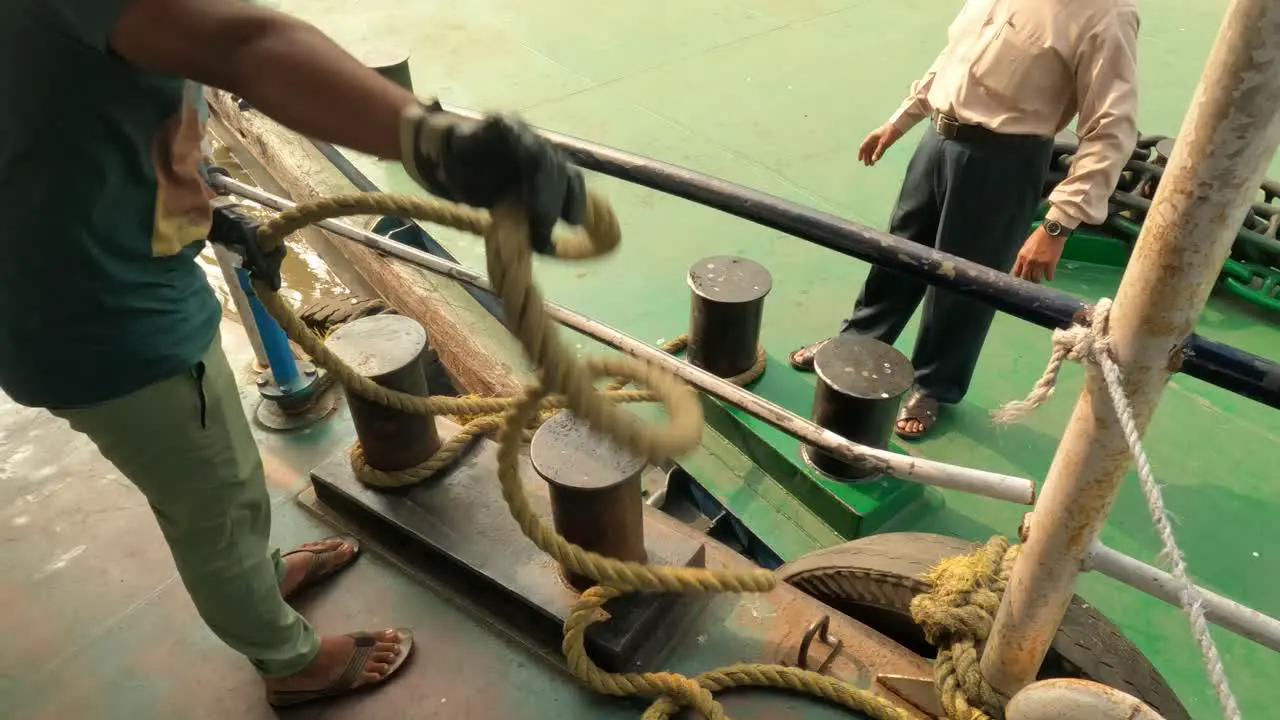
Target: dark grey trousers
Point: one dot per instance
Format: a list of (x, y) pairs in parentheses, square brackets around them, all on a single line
[(976, 199)]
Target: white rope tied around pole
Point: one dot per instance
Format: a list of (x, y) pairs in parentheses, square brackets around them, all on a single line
[(1089, 344)]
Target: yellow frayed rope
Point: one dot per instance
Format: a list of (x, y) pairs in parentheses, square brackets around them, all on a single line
[(569, 383), (956, 614)]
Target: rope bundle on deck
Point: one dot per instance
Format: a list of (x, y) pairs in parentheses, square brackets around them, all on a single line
[(957, 615), (565, 382)]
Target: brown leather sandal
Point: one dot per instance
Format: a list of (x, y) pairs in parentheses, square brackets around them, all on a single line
[(346, 682), (918, 407), (802, 359), (319, 570)]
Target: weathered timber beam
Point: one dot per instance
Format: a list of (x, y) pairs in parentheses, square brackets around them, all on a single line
[(479, 354)]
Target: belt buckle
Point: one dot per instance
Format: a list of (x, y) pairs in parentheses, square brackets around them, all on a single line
[(946, 125)]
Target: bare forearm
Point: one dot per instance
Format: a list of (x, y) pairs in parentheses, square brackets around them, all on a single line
[(303, 80), (283, 66)]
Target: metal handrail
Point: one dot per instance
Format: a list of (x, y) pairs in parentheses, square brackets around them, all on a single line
[(921, 470), (1230, 615), (1217, 363)]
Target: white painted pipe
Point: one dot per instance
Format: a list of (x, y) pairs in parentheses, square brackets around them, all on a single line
[(1219, 610), (1069, 699), (904, 467)]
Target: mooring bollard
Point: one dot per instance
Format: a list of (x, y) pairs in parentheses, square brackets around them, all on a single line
[(389, 350), (726, 312), (390, 63), (595, 490), (860, 386)]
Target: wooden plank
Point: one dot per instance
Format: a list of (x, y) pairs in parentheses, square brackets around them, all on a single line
[(478, 351)]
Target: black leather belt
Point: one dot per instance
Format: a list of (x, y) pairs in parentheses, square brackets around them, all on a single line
[(949, 127), (952, 129)]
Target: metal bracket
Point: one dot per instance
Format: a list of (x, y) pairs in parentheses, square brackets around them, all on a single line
[(820, 629), (918, 692), (238, 232)]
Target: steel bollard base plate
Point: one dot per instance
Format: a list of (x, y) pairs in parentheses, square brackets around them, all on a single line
[(458, 521), (313, 401), (807, 454)]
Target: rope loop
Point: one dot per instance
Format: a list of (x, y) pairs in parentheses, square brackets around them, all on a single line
[(957, 613), (564, 381), (1080, 342)]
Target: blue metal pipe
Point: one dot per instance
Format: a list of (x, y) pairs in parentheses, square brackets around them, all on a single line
[(284, 369)]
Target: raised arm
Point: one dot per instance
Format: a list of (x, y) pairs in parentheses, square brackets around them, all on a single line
[(292, 72), (283, 66)]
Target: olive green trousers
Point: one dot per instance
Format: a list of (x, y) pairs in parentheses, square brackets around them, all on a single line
[(186, 444)]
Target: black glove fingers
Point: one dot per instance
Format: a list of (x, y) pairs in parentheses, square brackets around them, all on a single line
[(544, 188), (484, 163), (575, 198)]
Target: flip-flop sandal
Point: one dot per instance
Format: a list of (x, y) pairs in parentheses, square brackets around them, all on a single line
[(802, 359), (319, 571), (918, 407), (346, 683)]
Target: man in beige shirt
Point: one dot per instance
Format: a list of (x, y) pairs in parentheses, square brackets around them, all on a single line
[(1013, 75)]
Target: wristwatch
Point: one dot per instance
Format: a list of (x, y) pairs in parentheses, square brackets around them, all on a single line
[(1054, 229)]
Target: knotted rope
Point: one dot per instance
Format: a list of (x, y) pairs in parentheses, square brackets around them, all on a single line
[(573, 384), (957, 615), (1078, 342), (1089, 344)]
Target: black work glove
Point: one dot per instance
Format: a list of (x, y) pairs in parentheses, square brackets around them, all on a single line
[(482, 163)]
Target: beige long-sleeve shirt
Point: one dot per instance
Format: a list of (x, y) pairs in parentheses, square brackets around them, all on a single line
[(1028, 67)]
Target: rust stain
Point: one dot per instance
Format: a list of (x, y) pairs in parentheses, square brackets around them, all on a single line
[(279, 471), (1176, 357), (780, 619), (35, 633)]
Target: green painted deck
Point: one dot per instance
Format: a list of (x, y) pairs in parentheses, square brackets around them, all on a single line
[(97, 625), (776, 94)]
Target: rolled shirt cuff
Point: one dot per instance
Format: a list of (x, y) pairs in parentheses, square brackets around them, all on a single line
[(1059, 216)]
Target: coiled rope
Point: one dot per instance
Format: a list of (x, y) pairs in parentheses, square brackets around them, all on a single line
[(564, 381), (481, 423)]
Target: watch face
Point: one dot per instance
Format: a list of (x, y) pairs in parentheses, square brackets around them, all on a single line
[(1053, 227)]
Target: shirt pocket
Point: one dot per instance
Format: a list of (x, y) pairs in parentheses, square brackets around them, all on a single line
[(1020, 67)]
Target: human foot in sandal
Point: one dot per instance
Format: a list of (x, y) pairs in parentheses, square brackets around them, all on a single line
[(345, 663), (314, 562), (802, 359), (917, 415)]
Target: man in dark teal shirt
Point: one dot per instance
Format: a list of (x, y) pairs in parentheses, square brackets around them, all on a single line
[(107, 320)]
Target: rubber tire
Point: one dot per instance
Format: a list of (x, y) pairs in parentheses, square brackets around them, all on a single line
[(873, 580), (326, 314)]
